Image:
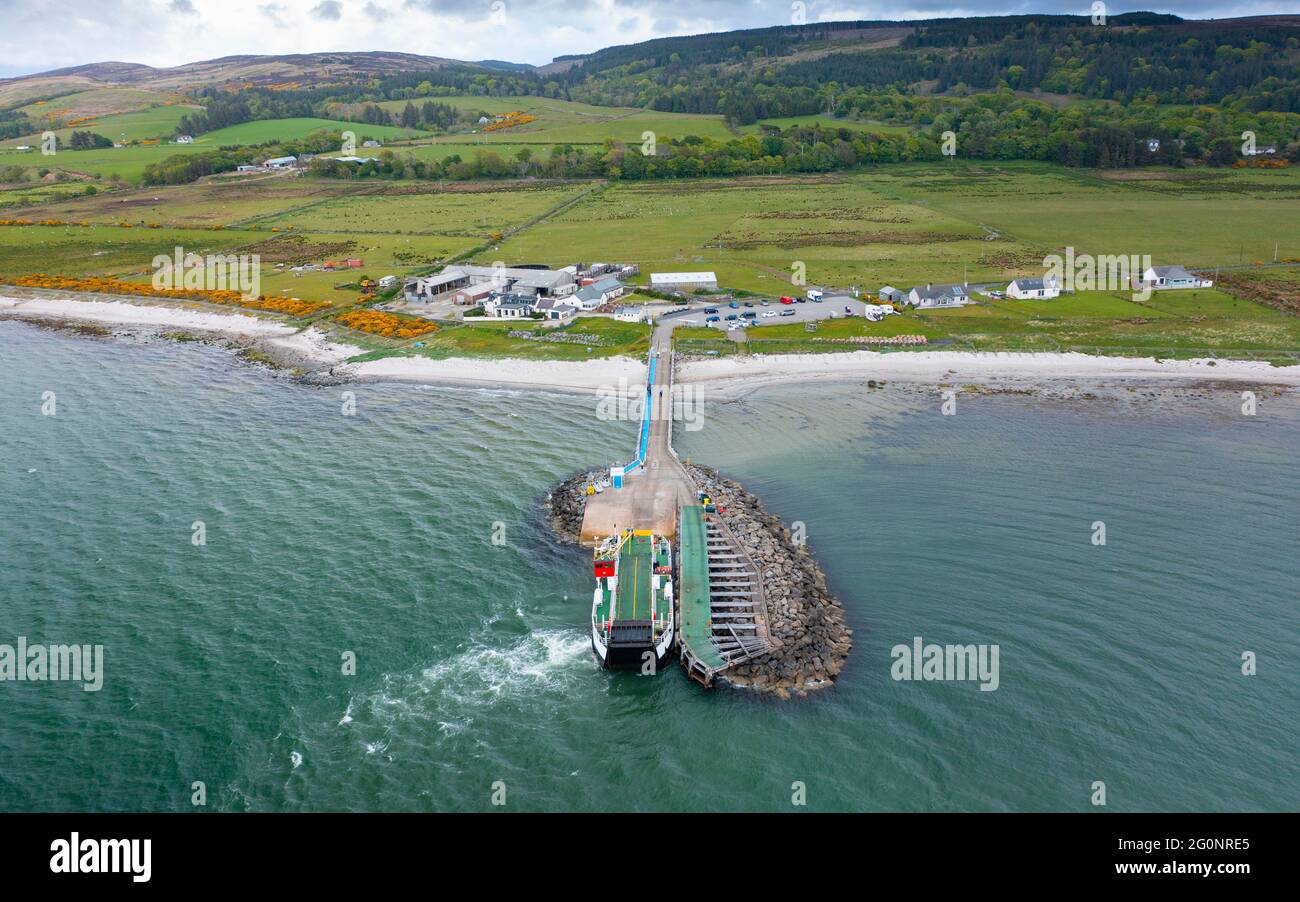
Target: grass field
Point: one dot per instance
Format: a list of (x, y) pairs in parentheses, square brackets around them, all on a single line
[(152, 122), (1196, 217), (566, 122), (905, 225), (456, 212), (753, 232), (269, 130), (126, 163), (592, 337)]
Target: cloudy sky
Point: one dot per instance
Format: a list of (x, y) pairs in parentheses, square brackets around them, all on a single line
[(39, 35)]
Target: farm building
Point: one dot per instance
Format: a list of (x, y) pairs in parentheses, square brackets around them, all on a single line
[(1165, 278), (1033, 288), (280, 162), (599, 293), (473, 294), (541, 282), (891, 295), (683, 281), (931, 295)]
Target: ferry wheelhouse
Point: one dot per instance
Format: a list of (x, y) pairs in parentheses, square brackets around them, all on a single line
[(632, 612)]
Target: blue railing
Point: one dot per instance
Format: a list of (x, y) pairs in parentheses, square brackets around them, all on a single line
[(643, 443)]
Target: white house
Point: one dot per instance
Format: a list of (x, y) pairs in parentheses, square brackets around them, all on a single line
[(1164, 278), (185, 139), (630, 314), (1022, 289), (683, 281), (510, 306), (938, 296), (1262, 150)]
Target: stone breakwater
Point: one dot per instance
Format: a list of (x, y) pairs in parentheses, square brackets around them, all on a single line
[(568, 501), (805, 621)]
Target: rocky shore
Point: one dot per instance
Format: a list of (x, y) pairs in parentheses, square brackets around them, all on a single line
[(567, 502), (806, 622)]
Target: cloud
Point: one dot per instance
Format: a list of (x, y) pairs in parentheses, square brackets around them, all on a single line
[(39, 35), (331, 10), (275, 12)]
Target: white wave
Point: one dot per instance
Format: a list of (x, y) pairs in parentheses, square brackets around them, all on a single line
[(296, 759), (483, 675)]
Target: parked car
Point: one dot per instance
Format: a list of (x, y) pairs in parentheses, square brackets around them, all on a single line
[(711, 310), (801, 300), (787, 313), (749, 314), (730, 317), (816, 300), (765, 302), (786, 300), (733, 305), (848, 311), (767, 313), (749, 303), (815, 294), (712, 319)]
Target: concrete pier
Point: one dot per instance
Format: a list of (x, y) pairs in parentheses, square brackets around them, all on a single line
[(653, 493)]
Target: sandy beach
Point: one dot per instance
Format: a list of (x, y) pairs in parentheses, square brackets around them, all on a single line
[(311, 350), (743, 374)]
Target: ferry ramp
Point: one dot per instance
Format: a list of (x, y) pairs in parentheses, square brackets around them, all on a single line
[(723, 608)]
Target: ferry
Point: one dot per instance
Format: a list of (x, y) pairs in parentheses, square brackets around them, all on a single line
[(632, 614)]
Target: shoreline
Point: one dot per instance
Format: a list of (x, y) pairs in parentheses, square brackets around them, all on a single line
[(315, 353)]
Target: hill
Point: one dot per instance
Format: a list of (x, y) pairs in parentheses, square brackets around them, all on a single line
[(296, 70)]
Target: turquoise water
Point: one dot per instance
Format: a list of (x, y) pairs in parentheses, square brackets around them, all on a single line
[(374, 534)]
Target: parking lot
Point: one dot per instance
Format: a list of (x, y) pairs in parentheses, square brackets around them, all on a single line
[(804, 311)]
